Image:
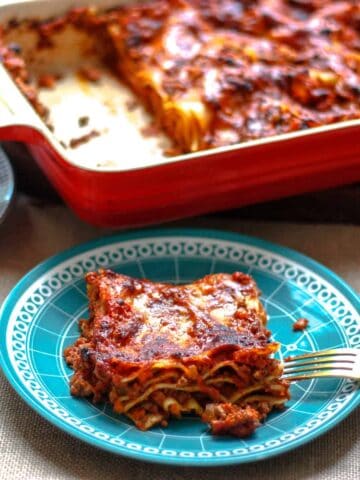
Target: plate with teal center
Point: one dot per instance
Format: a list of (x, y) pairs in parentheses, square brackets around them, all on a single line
[(40, 318)]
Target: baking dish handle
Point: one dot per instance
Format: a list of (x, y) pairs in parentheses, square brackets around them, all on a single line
[(18, 120)]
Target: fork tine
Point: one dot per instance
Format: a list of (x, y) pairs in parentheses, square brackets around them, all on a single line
[(334, 351), (324, 374), (314, 368), (340, 362)]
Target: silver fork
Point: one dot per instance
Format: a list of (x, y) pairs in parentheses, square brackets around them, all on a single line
[(336, 362)]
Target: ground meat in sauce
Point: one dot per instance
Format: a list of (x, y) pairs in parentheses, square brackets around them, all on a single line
[(91, 74), (76, 142), (230, 419), (300, 324), (47, 80)]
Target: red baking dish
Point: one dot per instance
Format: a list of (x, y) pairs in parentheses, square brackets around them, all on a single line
[(139, 190)]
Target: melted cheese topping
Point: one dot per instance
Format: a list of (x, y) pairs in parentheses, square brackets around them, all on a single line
[(140, 320)]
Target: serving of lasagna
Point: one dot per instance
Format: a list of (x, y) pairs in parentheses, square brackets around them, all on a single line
[(157, 351), (220, 72)]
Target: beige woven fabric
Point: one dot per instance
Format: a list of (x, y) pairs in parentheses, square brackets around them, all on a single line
[(30, 448)]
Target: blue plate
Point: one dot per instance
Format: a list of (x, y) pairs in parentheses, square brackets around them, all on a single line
[(40, 318)]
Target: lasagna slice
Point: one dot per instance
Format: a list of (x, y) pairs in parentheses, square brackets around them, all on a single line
[(156, 351)]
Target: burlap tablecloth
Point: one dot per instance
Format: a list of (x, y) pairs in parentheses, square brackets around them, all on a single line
[(31, 448)]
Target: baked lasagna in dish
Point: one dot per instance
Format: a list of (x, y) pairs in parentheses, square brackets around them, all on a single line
[(219, 72), (156, 351)]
